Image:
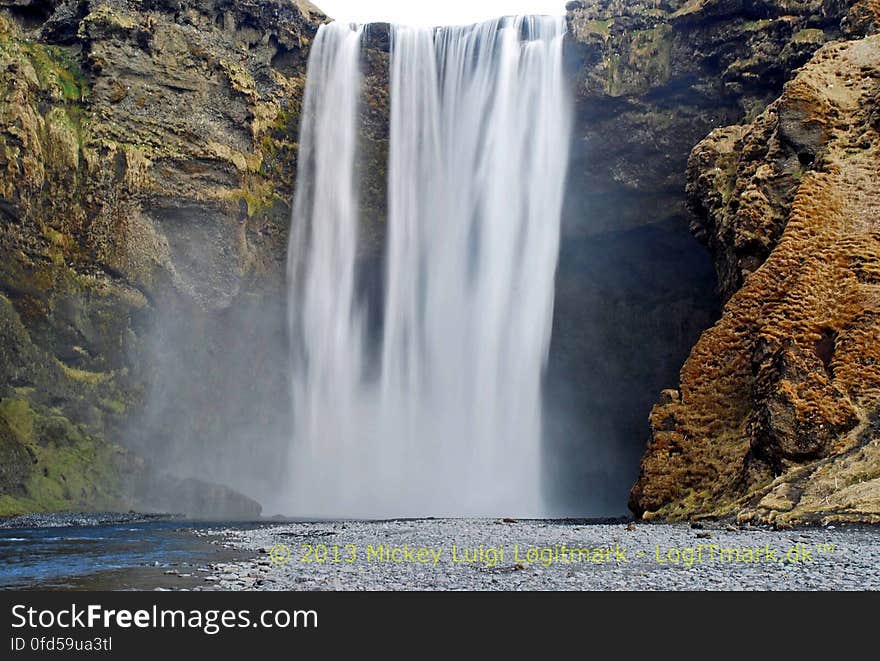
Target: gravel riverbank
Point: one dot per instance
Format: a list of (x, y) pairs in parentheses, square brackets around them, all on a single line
[(546, 555), (80, 519)]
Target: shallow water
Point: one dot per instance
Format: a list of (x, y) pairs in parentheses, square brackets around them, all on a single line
[(117, 556)]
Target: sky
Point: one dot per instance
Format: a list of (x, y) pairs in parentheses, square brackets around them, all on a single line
[(434, 12)]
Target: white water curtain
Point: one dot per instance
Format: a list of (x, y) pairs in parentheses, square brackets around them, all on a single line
[(480, 132)]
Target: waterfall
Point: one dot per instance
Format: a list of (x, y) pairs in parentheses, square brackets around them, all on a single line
[(449, 423), (326, 329)]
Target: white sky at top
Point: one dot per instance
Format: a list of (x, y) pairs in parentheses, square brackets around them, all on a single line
[(434, 12)]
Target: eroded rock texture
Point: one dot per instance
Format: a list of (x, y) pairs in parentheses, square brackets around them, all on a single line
[(635, 292), (778, 414)]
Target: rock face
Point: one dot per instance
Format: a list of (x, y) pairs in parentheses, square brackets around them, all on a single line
[(653, 78), (635, 292), (778, 415), (147, 156)]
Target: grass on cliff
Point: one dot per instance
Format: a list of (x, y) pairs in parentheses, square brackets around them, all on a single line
[(83, 376), (69, 469)]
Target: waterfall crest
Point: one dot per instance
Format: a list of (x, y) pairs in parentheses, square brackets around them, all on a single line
[(449, 423)]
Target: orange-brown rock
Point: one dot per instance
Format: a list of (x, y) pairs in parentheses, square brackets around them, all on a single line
[(777, 419)]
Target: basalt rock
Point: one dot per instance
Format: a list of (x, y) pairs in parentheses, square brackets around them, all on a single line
[(654, 78), (147, 158)]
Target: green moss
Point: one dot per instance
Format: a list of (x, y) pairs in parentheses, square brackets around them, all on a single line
[(56, 237), (57, 430), (114, 405), (69, 470), (651, 45), (56, 67), (6, 31), (259, 197), (64, 140), (598, 27), (47, 461), (11, 506), (283, 131), (279, 149), (75, 476), (82, 376), (20, 419)]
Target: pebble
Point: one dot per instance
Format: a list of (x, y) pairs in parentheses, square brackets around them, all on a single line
[(658, 557)]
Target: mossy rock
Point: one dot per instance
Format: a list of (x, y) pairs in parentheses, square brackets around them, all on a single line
[(639, 61), (15, 461), (57, 69), (18, 418), (47, 463)]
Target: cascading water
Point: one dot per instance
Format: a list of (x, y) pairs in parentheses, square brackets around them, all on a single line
[(450, 421), (326, 338)]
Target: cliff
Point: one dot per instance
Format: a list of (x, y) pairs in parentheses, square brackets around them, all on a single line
[(147, 154), (777, 419), (635, 292)]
